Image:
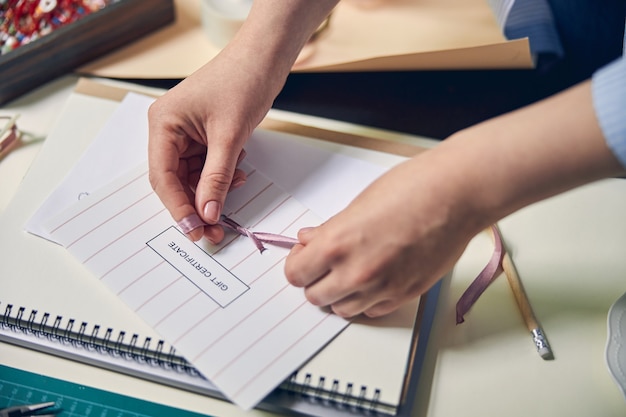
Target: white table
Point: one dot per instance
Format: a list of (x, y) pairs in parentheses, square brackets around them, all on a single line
[(569, 251)]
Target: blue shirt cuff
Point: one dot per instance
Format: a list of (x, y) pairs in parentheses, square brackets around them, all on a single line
[(530, 19), (609, 100)]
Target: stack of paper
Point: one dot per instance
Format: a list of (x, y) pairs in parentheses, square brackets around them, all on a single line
[(228, 309)]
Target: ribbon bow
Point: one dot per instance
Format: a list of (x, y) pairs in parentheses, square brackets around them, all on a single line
[(194, 221)]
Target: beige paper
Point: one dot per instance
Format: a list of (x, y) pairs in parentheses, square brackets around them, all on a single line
[(363, 35)]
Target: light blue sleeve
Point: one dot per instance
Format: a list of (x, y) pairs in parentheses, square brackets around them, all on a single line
[(533, 19), (608, 86), (530, 19)]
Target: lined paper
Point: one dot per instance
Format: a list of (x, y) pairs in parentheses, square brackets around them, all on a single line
[(228, 309), (324, 180)]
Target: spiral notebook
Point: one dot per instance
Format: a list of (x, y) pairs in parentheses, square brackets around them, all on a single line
[(70, 316), (305, 392)]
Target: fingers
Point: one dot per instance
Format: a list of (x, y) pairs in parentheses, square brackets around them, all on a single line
[(315, 268), (214, 234), (346, 277), (344, 300), (349, 300), (383, 308), (218, 177), (298, 268), (164, 169), (187, 181), (239, 177)]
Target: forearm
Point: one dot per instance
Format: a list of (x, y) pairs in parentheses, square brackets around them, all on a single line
[(276, 30), (496, 167)]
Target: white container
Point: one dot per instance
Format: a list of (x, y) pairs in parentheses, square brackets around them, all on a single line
[(221, 19)]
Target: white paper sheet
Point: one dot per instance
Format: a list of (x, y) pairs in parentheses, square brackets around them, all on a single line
[(119, 147), (323, 181), (326, 181), (228, 309)]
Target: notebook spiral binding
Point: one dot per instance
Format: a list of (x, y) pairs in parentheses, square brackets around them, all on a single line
[(333, 394), (348, 397), (108, 343)]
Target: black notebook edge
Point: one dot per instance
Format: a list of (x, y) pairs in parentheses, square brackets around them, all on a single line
[(422, 335), (307, 405), (287, 398)]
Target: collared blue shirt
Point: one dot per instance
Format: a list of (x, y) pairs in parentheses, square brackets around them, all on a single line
[(534, 19)]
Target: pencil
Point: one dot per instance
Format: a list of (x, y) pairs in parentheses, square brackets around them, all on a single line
[(525, 308)]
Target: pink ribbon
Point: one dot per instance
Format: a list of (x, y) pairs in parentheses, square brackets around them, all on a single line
[(483, 280), (194, 221), (489, 273), (258, 237)]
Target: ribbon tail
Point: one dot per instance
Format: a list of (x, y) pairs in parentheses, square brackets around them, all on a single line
[(255, 239), (275, 239), (258, 238), (489, 273), (194, 221)]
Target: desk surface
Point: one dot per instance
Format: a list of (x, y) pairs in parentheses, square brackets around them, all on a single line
[(487, 366)]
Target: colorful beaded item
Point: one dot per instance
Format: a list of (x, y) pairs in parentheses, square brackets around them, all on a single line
[(24, 21)]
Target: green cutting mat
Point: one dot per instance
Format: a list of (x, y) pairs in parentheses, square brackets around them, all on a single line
[(19, 387)]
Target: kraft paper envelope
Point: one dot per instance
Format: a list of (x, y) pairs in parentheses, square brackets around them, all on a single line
[(362, 35)]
